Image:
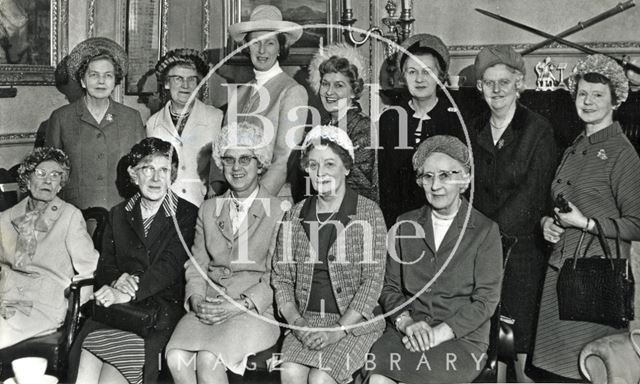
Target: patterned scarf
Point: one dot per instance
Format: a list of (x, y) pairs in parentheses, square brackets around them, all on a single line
[(26, 226)]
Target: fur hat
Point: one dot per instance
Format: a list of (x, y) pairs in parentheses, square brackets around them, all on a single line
[(265, 18), (93, 47), (325, 53)]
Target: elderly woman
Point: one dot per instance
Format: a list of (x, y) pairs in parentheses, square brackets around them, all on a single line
[(273, 100), (43, 243), (598, 175), (142, 262), (329, 268), (515, 157), (189, 128), (421, 112), (95, 131), (442, 283), (228, 293), (336, 73)]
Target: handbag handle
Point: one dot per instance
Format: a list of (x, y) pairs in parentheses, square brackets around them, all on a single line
[(603, 244), (618, 240)]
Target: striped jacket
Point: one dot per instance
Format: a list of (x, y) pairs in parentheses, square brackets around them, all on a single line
[(356, 260)]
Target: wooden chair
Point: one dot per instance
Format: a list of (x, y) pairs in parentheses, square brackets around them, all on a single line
[(55, 347)]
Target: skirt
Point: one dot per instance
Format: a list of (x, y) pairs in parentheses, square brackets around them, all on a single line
[(121, 349), (559, 342), (232, 341), (340, 360), (454, 361)]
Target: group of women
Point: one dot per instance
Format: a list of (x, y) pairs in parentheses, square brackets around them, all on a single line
[(235, 273)]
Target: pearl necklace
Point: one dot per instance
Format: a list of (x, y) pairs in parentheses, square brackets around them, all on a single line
[(321, 222)]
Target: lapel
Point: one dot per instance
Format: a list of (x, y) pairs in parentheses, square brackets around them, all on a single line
[(485, 140), (160, 227), (222, 217), (167, 124), (425, 221), (254, 215), (133, 217), (456, 228), (87, 117)]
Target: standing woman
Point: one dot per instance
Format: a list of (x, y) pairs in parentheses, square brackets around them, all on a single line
[(515, 156), (189, 128), (599, 177), (329, 268), (142, 262), (336, 73), (95, 131), (272, 100)]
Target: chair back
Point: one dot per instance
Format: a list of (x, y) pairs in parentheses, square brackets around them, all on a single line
[(96, 218)]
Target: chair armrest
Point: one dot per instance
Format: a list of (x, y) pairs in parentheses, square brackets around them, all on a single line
[(72, 321)]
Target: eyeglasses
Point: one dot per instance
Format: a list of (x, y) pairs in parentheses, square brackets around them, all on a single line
[(491, 84), (243, 160), (149, 171), (181, 80), (443, 176), (42, 174)]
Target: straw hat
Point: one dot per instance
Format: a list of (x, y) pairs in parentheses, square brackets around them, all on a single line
[(265, 18), (93, 47)]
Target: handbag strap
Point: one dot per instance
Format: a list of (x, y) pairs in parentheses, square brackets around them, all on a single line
[(618, 240), (577, 251), (603, 242)]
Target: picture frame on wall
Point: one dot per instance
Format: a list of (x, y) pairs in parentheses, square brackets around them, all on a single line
[(145, 43), (303, 12), (33, 39)]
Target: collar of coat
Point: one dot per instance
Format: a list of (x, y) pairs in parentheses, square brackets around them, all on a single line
[(602, 135), (346, 211), (109, 117), (169, 204)]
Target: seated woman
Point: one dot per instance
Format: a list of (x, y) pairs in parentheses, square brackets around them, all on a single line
[(336, 73), (142, 261), (229, 274), (439, 329), (43, 243), (329, 267)]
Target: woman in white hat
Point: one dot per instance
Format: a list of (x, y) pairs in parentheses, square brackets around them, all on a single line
[(95, 131), (273, 99), (328, 268), (189, 126)]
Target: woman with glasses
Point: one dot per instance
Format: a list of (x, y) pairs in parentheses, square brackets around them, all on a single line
[(515, 157), (95, 131), (228, 295), (189, 126), (141, 262), (439, 321), (44, 243), (329, 267)]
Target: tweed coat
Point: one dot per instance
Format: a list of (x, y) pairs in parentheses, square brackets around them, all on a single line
[(202, 127), (93, 149), (466, 294), (512, 180), (282, 104), (356, 260), (157, 259), (240, 266), (65, 249)]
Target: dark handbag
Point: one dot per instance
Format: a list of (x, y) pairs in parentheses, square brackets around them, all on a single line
[(137, 317), (597, 289)]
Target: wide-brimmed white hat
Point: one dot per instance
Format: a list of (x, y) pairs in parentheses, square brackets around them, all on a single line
[(265, 18)]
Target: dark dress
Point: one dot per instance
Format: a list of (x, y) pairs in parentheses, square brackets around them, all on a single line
[(512, 181), (157, 258), (464, 296), (399, 192)]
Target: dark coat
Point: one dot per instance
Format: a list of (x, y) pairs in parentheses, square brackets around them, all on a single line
[(512, 181), (399, 192), (93, 149), (158, 259)]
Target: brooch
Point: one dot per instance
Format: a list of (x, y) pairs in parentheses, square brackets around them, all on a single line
[(602, 154), (109, 117), (500, 143), (221, 224), (452, 109)]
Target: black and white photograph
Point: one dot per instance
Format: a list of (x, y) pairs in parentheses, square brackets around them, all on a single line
[(319, 191)]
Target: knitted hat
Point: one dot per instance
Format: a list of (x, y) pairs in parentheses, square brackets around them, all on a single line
[(331, 133), (185, 56), (449, 145), (265, 18), (94, 47), (325, 53), (498, 54), (426, 41), (606, 67)]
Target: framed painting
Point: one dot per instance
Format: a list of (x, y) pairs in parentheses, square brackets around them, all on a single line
[(303, 12), (33, 39), (145, 43)]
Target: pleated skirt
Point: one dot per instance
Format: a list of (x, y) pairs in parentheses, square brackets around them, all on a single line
[(559, 342)]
